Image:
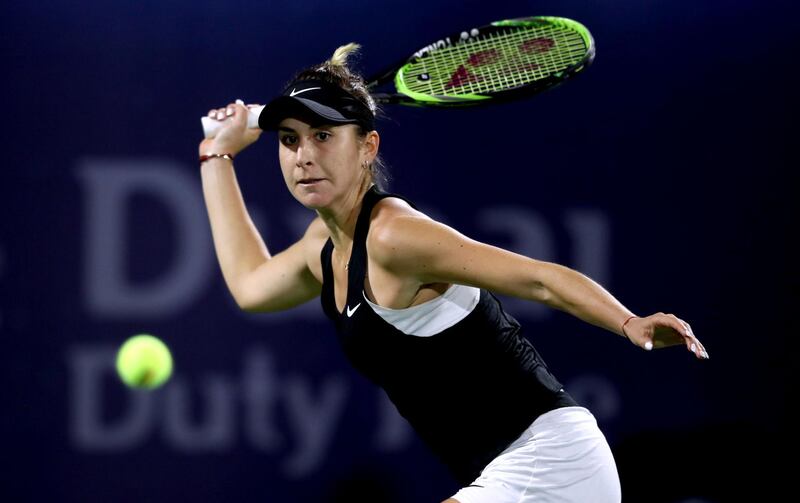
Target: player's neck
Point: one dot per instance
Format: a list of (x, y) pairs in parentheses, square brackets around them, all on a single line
[(341, 219)]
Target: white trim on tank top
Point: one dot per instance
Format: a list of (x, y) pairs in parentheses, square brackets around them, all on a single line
[(432, 316)]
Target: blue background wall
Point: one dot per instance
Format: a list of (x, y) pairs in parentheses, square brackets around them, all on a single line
[(664, 172)]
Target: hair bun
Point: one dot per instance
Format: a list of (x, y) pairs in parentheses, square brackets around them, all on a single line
[(341, 54)]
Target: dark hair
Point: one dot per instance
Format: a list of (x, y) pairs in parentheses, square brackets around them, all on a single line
[(336, 72)]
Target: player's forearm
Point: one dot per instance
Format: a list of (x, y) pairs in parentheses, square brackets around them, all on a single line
[(239, 247), (580, 296)]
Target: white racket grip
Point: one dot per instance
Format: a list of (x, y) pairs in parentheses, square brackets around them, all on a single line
[(212, 126)]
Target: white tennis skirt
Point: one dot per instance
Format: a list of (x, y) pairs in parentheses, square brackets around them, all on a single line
[(562, 457)]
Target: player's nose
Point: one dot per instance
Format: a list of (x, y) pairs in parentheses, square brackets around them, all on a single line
[(303, 154)]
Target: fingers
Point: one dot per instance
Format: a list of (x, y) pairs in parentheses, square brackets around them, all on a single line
[(698, 349), (217, 114), (664, 330), (692, 343), (221, 114), (230, 110), (235, 129)]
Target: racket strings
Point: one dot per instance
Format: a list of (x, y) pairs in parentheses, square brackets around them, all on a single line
[(541, 61), (501, 60)]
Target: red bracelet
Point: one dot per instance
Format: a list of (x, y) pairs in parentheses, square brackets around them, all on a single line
[(625, 323), (205, 157)]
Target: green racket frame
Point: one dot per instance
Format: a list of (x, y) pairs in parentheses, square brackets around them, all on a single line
[(505, 60)]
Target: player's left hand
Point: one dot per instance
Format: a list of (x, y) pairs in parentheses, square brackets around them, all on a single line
[(663, 330)]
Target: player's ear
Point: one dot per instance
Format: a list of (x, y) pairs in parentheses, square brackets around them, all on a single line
[(371, 144)]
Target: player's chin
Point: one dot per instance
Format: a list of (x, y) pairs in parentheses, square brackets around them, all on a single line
[(312, 196)]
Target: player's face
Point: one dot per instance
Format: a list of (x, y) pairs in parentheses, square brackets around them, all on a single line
[(322, 164)]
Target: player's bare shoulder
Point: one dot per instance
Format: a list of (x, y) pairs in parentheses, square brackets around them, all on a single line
[(386, 214), (313, 240), (389, 216)]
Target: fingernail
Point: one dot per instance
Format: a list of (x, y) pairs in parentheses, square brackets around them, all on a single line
[(648, 345), (239, 102), (220, 116), (705, 355), (229, 111), (693, 347)]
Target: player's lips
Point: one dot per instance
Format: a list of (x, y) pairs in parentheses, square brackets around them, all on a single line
[(309, 181)]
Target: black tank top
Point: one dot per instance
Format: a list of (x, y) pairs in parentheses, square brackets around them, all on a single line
[(468, 391)]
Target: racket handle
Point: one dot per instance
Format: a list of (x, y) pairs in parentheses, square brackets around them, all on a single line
[(212, 126)]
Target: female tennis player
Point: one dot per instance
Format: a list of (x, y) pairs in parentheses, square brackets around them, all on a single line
[(413, 300)]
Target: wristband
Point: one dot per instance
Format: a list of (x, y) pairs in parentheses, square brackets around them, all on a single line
[(205, 157), (625, 323)]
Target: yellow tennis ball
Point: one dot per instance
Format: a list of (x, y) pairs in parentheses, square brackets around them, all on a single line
[(144, 361)]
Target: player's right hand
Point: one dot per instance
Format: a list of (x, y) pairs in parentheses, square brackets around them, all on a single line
[(234, 135)]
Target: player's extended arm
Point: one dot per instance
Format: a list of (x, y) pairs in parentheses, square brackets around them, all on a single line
[(419, 247)]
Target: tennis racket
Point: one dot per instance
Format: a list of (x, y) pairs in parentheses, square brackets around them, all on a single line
[(502, 61)]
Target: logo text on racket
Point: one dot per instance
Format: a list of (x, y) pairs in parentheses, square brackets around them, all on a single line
[(446, 42)]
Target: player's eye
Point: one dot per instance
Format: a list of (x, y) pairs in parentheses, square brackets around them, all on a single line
[(323, 135), (288, 139)]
